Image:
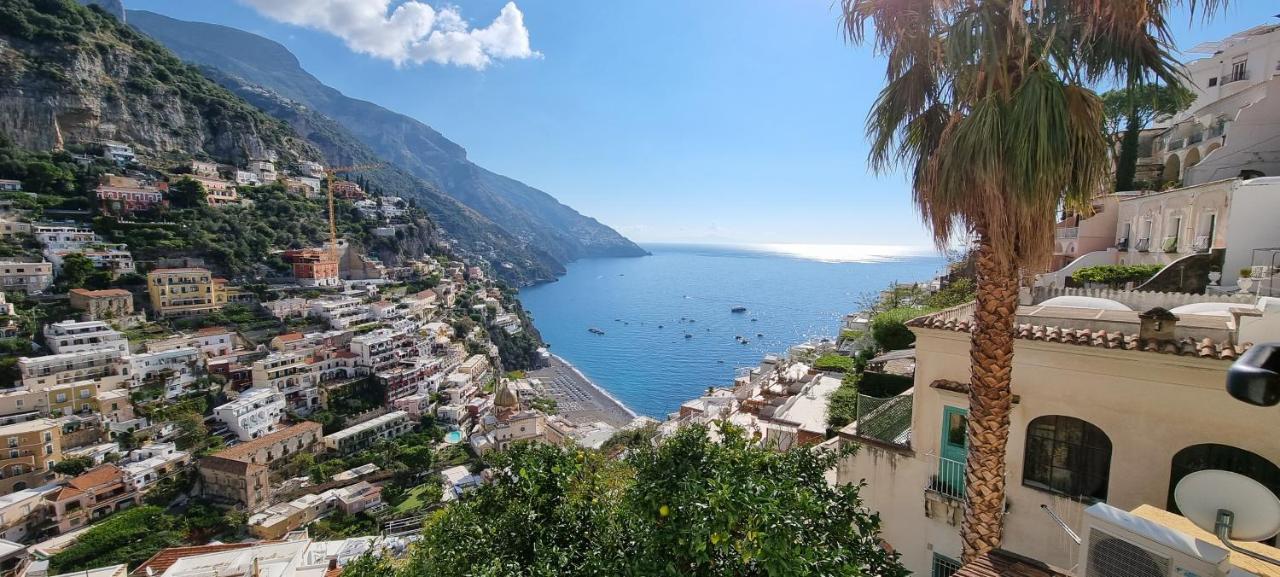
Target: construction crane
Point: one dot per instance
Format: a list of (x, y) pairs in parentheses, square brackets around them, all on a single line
[(333, 224)]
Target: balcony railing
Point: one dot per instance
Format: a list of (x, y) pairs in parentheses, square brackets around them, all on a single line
[(1122, 244), (1068, 233), (1201, 244), (1170, 244), (1143, 245), (947, 478)]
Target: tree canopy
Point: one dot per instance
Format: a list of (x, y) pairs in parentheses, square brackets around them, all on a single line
[(689, 506), (1128, 110)]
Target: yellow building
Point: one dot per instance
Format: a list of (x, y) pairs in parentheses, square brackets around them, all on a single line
[(33, 447), (185, 291)]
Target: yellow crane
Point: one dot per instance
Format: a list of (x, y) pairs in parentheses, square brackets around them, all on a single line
[(333, 224)]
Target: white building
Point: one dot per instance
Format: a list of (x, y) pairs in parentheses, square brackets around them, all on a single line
[(176, 370), (292, 374), (151, 463), (50, 370), (341, 312), (368, 433), (73, 337), (118, 152), (254, 414), (1230, 128)]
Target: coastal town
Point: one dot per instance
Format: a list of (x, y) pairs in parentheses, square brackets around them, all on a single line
[(272, 366)]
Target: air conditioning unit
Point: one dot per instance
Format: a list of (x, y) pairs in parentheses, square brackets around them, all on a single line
[(1117, 543)]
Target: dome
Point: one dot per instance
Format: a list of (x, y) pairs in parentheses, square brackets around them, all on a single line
[(1080, 302), (506, 396), (1212, 309)]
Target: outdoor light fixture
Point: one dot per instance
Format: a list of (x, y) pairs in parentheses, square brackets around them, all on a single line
[(1255, 377)]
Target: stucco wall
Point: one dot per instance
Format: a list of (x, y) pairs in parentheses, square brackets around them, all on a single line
[(1150, 405), (1254, 213)]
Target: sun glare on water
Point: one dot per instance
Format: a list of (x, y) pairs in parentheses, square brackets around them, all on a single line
[(867, 253)]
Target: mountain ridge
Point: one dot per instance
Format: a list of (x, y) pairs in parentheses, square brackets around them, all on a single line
[(528, 213)]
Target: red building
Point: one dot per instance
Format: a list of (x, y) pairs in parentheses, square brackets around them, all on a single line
[(314, 267), (346, 189)]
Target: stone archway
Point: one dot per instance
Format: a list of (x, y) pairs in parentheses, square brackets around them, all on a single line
[(1172, 169), (1193, 158), (1212, 147)]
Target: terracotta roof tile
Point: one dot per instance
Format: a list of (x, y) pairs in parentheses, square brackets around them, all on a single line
[(1205, 348), (102, 293), (99, 475), (232, 466), (1000, 563), (244, 449)]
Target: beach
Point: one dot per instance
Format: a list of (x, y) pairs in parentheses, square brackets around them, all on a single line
[(577, 398)]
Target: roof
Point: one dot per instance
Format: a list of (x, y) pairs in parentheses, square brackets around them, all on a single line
[(1184, 525), (243, 450), (289, 337), (1000, 563), (212, 331), (164, 559), (96, 476), (894, 355), (104, 293), (955, 319)]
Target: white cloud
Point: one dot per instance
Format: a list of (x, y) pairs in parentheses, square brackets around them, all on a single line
[(411, 32)]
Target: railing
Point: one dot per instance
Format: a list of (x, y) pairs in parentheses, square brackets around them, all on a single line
[(944, 566), (1200, 244), (1143, 245), (1229, 78), (1195, 138), (1122, 244), (1072, 232), (1170, 244), (947, 478)]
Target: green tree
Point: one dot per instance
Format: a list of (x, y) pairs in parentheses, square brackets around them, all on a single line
[(77, 270), (689, 506), (988, 107), (1130, 109), (127, 537), (72, 466), (187, 193)]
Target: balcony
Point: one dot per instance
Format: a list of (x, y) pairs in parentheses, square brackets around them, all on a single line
[(947, 477), (1201, 244), (1170, 244), (1122, 244), (1068, 233), (1143, 245)]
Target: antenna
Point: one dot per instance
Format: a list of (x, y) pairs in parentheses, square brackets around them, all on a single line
[(1231, 506)]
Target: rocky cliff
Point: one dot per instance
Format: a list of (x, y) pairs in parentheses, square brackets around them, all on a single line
[(70, 74), (527, 213)]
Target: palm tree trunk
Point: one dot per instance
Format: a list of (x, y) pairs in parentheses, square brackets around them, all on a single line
[(990, 399)]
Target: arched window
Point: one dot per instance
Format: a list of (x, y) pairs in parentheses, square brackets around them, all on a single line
[(1067, 455), (1224, 457)]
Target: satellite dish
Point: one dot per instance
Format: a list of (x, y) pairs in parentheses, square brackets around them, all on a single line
[(1256, 509)]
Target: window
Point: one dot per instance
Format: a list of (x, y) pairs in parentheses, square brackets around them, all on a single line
[(1213, 82), (1224, 457), (1069, 456), (1239, 70), (62, 397), (944, 566)]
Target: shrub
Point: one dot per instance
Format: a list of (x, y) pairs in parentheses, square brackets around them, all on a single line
[(889, 328), (1116, 275), (834, 362)]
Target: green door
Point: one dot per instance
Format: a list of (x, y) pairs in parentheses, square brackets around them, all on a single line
[(955, 449)]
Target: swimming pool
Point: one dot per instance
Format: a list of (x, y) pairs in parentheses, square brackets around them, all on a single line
[(453, 437)]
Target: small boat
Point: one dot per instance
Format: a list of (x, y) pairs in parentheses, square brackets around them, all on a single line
[(738, 309), (659, 326), (737, 338), (595, 331), (692, 321), (754, 320), (688, 336), (721, 362), (745, 341), (759, 335)]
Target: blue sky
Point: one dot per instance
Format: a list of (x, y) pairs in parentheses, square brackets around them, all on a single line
[(712, 120)]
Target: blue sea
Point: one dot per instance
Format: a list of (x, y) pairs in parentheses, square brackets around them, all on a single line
[(793, 293)]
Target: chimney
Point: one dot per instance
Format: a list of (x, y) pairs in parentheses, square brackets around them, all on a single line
[(1158, 324)]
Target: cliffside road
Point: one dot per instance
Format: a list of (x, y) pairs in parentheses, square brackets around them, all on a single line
[(577, 398)]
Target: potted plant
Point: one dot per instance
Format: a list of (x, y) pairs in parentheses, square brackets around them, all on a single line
[(1246, 279), (1215, 275)]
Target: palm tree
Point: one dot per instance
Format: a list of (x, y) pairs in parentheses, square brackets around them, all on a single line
[(988, 107)]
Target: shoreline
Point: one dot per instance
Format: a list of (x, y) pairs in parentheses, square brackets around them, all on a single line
[(598, 389)]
